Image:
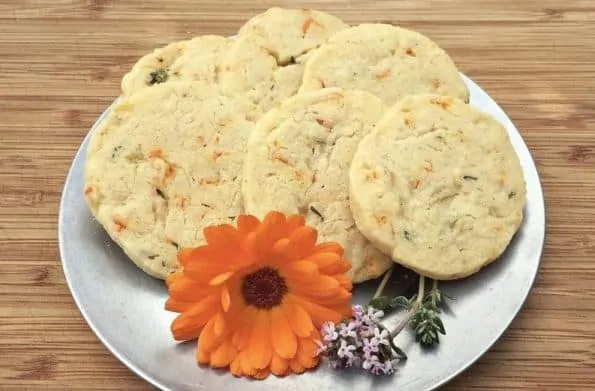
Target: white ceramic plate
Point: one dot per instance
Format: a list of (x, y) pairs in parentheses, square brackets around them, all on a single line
[(124, 307)]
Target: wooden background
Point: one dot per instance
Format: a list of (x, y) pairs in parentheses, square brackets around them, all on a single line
[(60, 66)]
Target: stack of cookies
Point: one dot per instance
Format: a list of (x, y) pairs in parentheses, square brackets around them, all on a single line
[(364, 130)]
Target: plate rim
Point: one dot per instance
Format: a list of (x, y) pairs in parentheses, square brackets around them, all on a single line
[(149, 378)]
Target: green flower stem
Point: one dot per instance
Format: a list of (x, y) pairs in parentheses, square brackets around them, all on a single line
[(418, 300), (383, 282)]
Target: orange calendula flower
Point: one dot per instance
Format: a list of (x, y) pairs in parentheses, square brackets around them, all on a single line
[(257, 295)]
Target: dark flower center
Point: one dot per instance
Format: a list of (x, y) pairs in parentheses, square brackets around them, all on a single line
[(264, 288)]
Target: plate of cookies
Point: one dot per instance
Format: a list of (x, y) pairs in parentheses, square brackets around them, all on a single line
[(305, 205)]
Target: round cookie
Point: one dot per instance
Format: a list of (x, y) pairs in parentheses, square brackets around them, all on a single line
[(165, 163), (251, 70), (297, 161), (266, 61), (288, 33), (195, 59), (387, 61), (438, 186)]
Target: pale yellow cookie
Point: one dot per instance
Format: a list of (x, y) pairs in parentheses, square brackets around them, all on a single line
[(387, 61), (165, 163), (288, 33), (297, 161), (266, 61), (250, 70), (438, 186), (194, 60)]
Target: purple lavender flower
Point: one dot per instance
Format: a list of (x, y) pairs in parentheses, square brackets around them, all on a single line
[(358, 341), (346, 352), (370, 362), (380, 337), (377, 368), (322, 348), (329, 332), (369, 347), (349, 330), (374, 314), (357, 312)]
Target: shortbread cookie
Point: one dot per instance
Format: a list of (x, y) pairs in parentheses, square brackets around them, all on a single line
[(387, 61), (266, 61), (297, 161), (165, 163), (438, 186), (250, 70), (288, 33), (194, 60)]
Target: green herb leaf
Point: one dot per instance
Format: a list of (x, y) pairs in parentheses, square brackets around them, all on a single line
[(317, 213), (407, 235), (381, 303), (400, 302), (157, 77)]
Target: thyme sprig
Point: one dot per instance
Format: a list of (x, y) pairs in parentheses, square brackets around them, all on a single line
[(423, 311), (362, 340)]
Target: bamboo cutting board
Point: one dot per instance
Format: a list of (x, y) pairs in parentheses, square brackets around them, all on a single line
[(61, 65)]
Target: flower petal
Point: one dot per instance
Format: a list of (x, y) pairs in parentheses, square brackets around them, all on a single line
[(272, 225), (221, 278), (191, 255), (269, 232), (172, 278), (235, 367), (219, 324), (324, 259), (338, 267), (318, 285), (222, 236), (306, 360), (201, 271), (299, 320), (292, 223), (185, 289), (183, 330), (223, 355), (333, 247), (174, 305), (207, 305), (279, 366), (307, 353), (260, 350), (295, 366), (323, 282), (207, 340), (245, 363), (283, 339), (318, 313), (280, 247), (190, 323), (340, 296), (262, 373), (302, 241), (344, 281), (247, 224), (305, 268), (225, 299), (202, 357), (240, 337)]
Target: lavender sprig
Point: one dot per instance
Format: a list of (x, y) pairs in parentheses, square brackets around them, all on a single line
[(360, 341)]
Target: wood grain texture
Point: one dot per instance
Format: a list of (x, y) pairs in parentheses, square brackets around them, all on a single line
[(61, 65)]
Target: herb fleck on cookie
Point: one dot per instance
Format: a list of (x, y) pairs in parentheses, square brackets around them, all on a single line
[(158, 77)]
